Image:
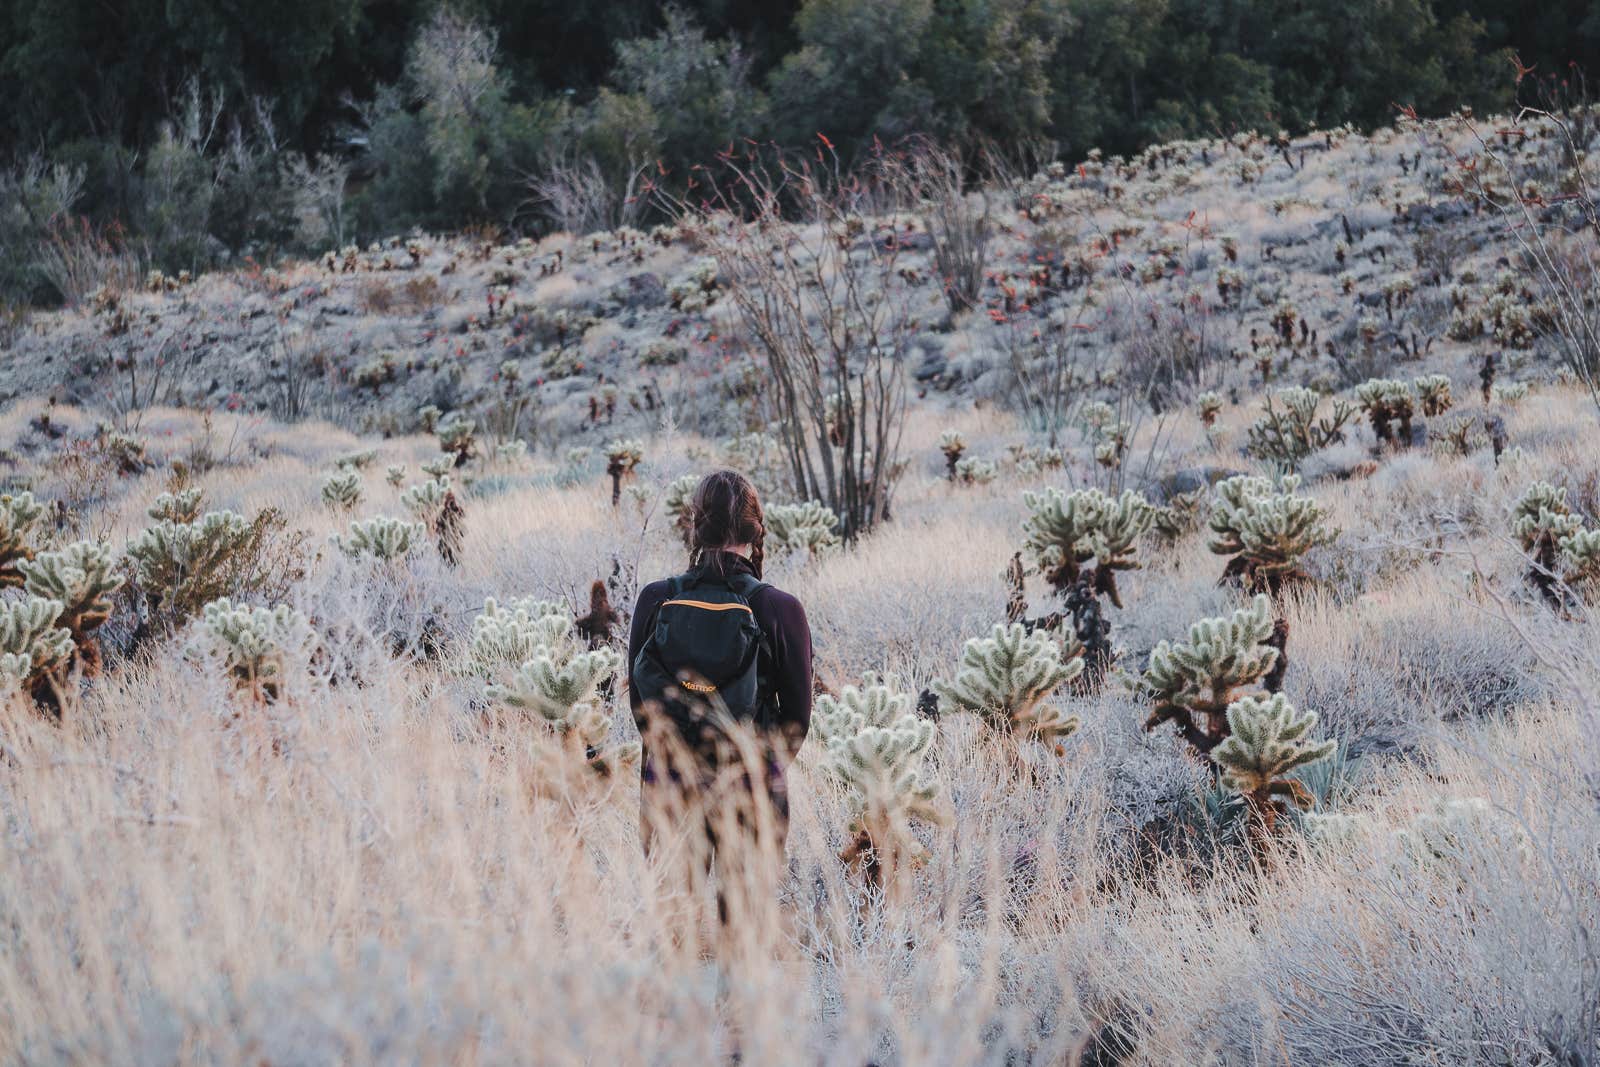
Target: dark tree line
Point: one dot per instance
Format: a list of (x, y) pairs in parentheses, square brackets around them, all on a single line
[(205, 130)]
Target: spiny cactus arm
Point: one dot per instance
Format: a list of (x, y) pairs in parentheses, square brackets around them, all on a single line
[(1004, 676), (29, 630), (557, 687), (18, 514), (1267, 740), (82, 577)]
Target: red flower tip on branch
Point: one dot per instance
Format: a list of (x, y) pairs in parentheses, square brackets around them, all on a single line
[(824, 139), (1522, 71)]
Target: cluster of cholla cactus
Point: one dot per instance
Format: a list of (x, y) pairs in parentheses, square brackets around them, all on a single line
[(1192, 683), (678, 500), (1007, 678), (1268, 738), (810, 527), (1210, 406), (874, 745), (381, 538), (1107, 431), (18, 514), (457, 435), (341, 491), (34, 647), (1065, 531), (623, 457), (1387, 401), (254, 646), (81, 578), (435, 505), (531, 659), (1032, 459), (185, 559), (1562, 551), (1267, 530), (182, 506), (1289, 429), (952, 443), (975, 471), (697, 290), (1433, 390)]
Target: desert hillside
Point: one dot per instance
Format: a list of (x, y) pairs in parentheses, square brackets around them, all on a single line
[(1206, 654)]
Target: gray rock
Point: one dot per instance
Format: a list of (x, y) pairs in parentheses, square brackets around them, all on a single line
[(1187, 480), (643, 290)]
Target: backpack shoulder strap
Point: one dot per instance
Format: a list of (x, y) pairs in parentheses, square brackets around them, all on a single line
[(746, 585)]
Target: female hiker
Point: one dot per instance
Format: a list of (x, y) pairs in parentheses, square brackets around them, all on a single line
[(719, 678)]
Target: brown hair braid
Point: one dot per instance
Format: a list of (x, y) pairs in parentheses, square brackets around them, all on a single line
[(726, 511)]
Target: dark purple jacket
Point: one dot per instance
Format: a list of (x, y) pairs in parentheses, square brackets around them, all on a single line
[(782, 621)]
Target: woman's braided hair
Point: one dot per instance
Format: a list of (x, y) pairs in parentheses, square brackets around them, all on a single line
[(726, 511)]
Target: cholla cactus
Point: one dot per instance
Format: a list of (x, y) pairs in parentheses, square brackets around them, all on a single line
[(176, 564), (1267, 530), (342, 491), (182, 506), (356, 461), (952, 443), (1267, 739), (1289, 430), (874, 745), (1434, 392), (32, 643), (532, 660), (1066, 530), (1562, 551), (426, 499), (1508, 393), (975, 471), (434, 503), (254, 646), (1006, 677), (126, 450), (696, 290), (504, 638), (1107, 432), (679, 503), (1542, 515), (623, 456), (511, 453), (807, 527), (440, 466), (1193, 682), (395, 474), (81, 577), (17, 515), (1210, 405), (381, 538), (458, 436), (1387, 400), (428, 416), (1580, 553)]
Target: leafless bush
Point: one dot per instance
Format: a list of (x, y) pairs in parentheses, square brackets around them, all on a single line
[(79, 259), (577, 197), (958, 219), (317, 185), (830, 312), (1557, 236)]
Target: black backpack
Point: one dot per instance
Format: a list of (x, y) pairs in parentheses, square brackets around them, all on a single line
[(704, 651)]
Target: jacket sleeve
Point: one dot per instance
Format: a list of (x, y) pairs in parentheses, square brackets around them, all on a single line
[(791, 652), (650, 598)]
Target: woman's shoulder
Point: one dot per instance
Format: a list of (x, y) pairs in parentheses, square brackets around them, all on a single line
[(769, 599), (656, 591)]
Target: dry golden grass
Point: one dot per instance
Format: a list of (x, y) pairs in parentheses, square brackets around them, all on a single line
[(361, 874)]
